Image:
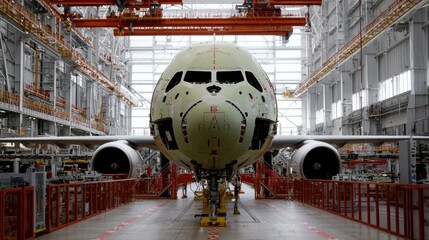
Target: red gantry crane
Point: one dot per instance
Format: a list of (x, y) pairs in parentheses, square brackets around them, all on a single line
[(146, 18)]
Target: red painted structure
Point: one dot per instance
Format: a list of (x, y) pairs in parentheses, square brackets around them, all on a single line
[(73, 202), (17, 213), (268, 183), (395, 208), (165, 185), (398, 209)]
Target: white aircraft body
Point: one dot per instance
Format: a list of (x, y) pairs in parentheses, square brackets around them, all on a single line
[(214, 111)]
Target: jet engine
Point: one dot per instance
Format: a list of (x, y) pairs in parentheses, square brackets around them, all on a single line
[(316, 160), (117, 157)]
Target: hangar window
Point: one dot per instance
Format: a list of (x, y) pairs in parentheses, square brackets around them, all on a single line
[(253, 81), (229, 77), (174, 81), (198, 77)]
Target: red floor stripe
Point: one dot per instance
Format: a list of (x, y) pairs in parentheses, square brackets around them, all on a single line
[(118, 227), (213, 234), (312, 228)]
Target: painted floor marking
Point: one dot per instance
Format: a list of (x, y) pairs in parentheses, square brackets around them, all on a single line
[(213, 233), (119, 227), (312, 228)]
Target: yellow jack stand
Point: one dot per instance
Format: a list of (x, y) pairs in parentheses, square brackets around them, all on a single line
[(206, 219), (208, 222)]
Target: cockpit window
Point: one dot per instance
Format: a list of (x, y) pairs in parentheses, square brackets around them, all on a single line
[(198, 77), (174, 81), (229, 77), (253, 81)]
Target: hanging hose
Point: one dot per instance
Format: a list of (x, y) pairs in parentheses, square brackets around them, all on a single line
[(190, 187)]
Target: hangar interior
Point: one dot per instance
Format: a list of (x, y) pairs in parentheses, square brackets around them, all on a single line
[(338, 67)]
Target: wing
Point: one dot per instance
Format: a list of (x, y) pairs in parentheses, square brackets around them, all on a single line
[(339, 140), (142, 141)]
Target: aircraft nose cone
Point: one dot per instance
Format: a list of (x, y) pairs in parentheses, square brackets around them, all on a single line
[(214, 127)]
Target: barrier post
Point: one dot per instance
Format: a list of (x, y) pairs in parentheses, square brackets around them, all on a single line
[(28, 206), (389, 227), (377, 208), (421, 214), (368, 203), (2, 207), (397, 209), (352, 200), (13, 214)]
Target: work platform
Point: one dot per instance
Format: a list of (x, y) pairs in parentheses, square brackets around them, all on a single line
[(259, 219)]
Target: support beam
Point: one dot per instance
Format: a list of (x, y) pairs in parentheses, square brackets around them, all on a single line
[(296, 2), (127, 4), (158, 22), (203, 31), (407, 161), (417, 118), (327, 107)]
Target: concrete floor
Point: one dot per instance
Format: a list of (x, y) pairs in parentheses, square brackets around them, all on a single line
[(259, 219)]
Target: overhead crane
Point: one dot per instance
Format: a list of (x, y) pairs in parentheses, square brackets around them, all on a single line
[(146, 18), (388, 17), (120, 4), (148, 3), (278, 31)]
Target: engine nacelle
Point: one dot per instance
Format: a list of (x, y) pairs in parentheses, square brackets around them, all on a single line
[(316, 160), (117, 157)]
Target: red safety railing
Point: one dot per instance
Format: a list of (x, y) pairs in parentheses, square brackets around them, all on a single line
[(70, 203), (269, 183), (248, 178), (164, 185), (185, 178), (398, 209), (17, 213)]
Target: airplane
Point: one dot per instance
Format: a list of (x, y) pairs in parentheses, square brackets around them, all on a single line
[(214, 111)]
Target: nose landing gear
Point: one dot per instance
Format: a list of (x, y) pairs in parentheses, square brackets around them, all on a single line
[(214, 204)]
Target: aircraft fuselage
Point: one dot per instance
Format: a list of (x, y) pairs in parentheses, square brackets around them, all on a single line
[(213, 107)]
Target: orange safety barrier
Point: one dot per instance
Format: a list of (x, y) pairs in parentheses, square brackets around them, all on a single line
[(77, 118), (9, 98), (99, 126), (62, 114), (31, 23), (33, 90), (70, 203), (17, 213), (61, 102), (38, 106)]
